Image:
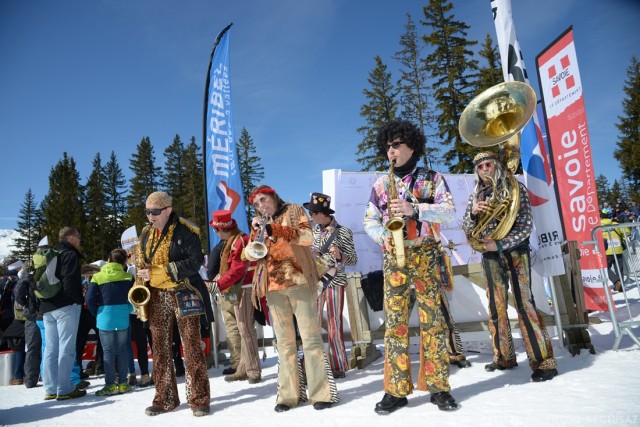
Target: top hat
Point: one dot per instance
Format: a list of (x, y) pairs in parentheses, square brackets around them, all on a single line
[(222, 219), (319, 203)]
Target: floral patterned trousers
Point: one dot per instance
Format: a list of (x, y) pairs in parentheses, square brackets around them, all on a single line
[(423, 270)]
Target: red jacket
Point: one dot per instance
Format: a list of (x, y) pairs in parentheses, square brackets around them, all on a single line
[(237, 267)]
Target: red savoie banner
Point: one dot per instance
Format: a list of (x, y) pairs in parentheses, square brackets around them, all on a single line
[(570, 148)]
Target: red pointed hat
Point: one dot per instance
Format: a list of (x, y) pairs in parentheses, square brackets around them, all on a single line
[(222, 219)]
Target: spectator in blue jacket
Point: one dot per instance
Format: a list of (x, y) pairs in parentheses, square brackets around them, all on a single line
[(107, 299)]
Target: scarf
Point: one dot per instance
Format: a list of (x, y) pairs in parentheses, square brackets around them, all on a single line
[(226, 252), (401, 171)]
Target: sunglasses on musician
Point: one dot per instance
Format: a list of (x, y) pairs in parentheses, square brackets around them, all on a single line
[(260, 201), (395, 145), (155, 212)]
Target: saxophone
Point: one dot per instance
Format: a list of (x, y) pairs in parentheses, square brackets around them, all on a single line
[(139, 296), (395, 225)]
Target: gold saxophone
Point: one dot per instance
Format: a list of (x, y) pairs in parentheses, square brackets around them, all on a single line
[(395, 225), (139, 296)]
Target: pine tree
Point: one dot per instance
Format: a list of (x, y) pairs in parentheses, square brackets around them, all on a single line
[(251, 170), (94, 238), (62, 206), (491, 73), (193, 191), (146, 177), (452, 67), (625, 188), (616, 193), (28, 233), (172, 180), (382, 107), (413, 85), (603, 190), (628, 147), (115, 204)]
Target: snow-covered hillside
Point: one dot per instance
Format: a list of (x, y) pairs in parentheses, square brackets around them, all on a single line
[(6, 242)]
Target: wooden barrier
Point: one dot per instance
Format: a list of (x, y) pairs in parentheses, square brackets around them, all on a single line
[(363, 350), (573, 317)]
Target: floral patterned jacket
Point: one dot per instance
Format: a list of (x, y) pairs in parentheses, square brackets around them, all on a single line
[(429, 194)]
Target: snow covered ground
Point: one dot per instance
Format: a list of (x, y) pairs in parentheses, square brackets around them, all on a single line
[(591, 390)]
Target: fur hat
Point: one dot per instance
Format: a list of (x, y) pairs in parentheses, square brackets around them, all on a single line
[(159, 199), (484, 155), (319, 203), (222, 219)]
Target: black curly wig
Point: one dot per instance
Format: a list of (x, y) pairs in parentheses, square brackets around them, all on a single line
[(405, 130)]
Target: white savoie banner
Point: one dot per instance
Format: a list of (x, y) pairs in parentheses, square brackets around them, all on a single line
[(548, 234)]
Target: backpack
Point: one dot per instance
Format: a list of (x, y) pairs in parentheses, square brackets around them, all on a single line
[(44, 265)]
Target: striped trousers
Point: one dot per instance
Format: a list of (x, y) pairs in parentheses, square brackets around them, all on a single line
[(333, 298), (500, 270)]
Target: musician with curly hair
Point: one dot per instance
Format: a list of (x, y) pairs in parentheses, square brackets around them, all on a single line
[(422, 199)]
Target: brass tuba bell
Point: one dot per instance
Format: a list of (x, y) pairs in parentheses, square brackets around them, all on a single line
[(496, 116)]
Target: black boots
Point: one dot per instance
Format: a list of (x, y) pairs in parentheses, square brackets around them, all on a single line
[(464, 363), (322, 405), (389, 403), (445, 401), (494, 366), (540, 375)]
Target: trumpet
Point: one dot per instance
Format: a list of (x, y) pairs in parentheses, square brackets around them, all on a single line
[(257, 249), (139, 296)]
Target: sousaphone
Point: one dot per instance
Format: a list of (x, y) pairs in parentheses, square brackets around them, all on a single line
[(497, 116)]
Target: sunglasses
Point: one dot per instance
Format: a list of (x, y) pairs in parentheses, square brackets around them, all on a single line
[(155, 212), (261, 201), (394, 145)]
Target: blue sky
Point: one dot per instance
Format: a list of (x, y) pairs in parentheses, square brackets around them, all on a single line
[(96, 76)]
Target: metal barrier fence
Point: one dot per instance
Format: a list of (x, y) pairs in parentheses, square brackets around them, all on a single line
[(626, 270)]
